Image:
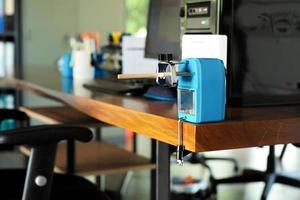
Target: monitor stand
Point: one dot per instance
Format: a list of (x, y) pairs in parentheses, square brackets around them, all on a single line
[(161, 93)]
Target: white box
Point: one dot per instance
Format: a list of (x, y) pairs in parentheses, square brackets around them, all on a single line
[(133, 60)]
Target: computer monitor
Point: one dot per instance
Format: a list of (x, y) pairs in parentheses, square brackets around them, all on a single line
[(163, 28)]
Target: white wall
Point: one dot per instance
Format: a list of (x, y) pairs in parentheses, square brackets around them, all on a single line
[(102, 16), (45, 27), (47, 23)]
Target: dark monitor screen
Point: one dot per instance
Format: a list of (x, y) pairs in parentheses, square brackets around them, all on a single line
[(163, 29)]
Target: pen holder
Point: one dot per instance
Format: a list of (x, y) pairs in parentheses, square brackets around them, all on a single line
[(79, 90), (82, 65)]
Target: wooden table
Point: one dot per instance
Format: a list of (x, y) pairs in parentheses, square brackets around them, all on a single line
[(243, 127)]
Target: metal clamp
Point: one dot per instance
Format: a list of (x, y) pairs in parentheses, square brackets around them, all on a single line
[(180, 147)]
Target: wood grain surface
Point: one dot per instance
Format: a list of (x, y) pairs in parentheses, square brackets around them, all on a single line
[(94, 158), (243, 127), (98, 158), (61, 115)]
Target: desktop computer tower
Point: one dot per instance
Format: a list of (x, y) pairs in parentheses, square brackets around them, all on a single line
[(263, 56)]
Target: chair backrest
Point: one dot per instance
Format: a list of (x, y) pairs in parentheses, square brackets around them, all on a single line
[(43, 140)]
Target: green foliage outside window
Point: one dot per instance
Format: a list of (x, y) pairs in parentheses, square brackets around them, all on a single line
[(137, 12)]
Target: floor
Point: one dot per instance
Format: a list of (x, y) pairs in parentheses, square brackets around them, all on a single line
[(139, 184), (252, 158), (138, 187)]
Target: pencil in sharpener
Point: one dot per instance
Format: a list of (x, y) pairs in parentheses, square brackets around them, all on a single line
[(202, 95)]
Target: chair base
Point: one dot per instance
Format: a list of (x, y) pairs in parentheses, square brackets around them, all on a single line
[(269, 177), (250, 175)]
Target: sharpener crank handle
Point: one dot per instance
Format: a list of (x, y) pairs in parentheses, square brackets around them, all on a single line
[(140, 76), (151, 75)]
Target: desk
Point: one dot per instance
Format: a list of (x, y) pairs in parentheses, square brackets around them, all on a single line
[(243, 127)]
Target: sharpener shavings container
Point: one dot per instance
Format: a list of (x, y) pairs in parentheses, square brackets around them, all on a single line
[(202, 95)]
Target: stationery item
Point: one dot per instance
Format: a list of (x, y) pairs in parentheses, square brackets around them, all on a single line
[(94, 53), (76, 46), (82, 65), (90, 36), (87, 45), (116, 37), (201, 87), (202, 95), (79, 90), (201, 90), (91, 42)]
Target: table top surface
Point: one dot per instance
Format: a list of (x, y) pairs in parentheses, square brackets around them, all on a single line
[(243, 127)]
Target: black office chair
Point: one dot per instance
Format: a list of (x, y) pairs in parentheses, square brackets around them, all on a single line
[(200, 158), (269, 176), (39, 182), (284, 150)]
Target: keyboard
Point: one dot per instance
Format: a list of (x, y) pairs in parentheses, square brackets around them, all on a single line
[(115, 86)]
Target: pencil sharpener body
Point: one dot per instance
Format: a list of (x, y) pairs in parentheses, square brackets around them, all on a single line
[(202, 95)]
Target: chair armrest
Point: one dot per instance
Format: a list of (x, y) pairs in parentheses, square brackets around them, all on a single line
[(13, 114), (38, 135)]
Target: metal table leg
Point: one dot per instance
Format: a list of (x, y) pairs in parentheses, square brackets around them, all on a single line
[(100, 181), (153, 172), (163, 171)]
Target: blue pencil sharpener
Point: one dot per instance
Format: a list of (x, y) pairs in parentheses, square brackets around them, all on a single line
[(202, 95)]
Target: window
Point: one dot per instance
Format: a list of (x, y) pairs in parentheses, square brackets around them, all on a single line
[(137, 12)]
